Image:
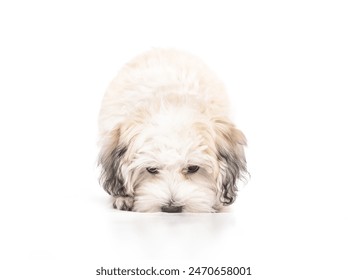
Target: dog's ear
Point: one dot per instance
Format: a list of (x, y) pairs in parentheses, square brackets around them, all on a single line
[(111, 160), (230, 151)]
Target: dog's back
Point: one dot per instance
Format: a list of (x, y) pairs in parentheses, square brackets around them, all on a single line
[(155, 73)]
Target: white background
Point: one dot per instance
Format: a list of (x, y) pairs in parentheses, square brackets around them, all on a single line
[(285, 65)]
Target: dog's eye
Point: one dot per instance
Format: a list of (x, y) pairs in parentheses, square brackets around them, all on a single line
[(152, 170), (192, 169)]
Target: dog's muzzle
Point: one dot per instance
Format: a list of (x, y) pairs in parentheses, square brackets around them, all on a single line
[(172, 209)]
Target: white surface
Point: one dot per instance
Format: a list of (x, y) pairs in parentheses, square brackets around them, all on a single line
[(285, 65)]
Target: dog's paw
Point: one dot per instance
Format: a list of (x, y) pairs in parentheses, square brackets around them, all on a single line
[(123, 203)]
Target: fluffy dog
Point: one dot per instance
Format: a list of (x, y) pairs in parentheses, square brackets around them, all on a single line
[(166, 141)]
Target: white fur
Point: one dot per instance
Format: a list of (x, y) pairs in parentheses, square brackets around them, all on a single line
[(167, 110)]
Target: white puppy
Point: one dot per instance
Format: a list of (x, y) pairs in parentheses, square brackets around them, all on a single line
[(166, 141)]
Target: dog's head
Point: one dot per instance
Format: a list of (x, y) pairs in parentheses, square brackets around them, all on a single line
[(174, 160)]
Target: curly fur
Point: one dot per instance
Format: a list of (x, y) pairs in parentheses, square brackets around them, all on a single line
[(166, 111)]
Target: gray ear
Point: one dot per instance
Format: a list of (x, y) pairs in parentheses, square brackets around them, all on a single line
[(110, 160), (111, 176), (230, 148)]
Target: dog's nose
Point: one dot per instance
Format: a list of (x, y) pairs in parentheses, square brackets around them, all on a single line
[(172, 209)]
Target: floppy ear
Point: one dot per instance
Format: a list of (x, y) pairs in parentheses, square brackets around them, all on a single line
[(230, 148), (111, 160)]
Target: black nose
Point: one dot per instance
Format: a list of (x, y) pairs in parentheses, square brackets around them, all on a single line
[(172, 209)]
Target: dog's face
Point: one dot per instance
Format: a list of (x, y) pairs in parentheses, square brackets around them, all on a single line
[(165, 159)]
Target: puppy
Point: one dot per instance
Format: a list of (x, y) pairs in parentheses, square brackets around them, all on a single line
[(166, 143)]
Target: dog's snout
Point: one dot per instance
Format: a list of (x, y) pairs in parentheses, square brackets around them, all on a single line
[(172, 209)]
